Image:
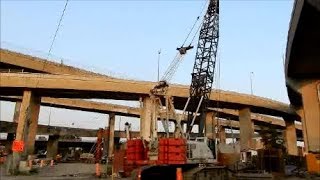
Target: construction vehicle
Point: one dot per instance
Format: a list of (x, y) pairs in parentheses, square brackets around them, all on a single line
[(186, 153)]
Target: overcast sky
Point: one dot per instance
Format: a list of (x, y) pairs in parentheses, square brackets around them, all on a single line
[(122, 38)]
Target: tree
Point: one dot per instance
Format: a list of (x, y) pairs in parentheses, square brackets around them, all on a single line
[(270, 138)]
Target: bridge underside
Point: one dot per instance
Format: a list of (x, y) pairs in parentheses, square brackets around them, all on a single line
[(303, 41), (303, 68)]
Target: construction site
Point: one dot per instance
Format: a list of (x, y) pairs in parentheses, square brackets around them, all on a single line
[(162, 129)]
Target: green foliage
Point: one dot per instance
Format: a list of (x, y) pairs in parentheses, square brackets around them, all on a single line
[(270, 138)]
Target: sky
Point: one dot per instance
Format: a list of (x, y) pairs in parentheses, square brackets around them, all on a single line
[(122, 39)]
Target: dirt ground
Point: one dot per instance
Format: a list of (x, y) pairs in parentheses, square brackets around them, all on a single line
[(68, 171), (59, 171)]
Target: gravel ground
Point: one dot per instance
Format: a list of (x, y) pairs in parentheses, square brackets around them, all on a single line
[(72, 171), (59, 171)]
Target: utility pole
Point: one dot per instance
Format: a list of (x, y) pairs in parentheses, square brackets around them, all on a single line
[(159, 52), (251, 79)]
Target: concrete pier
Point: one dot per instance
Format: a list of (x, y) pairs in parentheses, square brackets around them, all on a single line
[(291, 138), (27, 126), (210, 125), (311, 106), (145, 118), (112, 119), (222, 135), (52, 146), (246, 129)]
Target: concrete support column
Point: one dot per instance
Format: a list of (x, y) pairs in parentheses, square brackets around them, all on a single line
[(253, 140), (10, 136), (246, 129), (210, 125), (112, 119), (145, 118), (222, 135), (300, 112), (311, 107), (10, 139), (27, 113), (52, 146), (16, 112), (33, 125), (291, 138), (106, 135)]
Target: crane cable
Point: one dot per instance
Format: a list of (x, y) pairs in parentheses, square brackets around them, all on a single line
[(50, 49), (198, 17), (58, 27), (196, 33), (190, 31), (167, 76), (218, 90)]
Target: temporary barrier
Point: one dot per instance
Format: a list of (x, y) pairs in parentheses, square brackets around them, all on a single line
[(179, 175), (98, 170)]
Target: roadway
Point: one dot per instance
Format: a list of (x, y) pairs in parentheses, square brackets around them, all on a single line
[(70, 86), (106, 108), (17, 62), (302, 68)]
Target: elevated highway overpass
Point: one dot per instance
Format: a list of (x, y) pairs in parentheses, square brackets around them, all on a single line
[(302, 68), (70, 86), (107, 108), (28, 63), (64, 81)]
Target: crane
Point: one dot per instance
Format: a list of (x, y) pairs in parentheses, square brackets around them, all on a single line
[(203, 68), (202, 75), (166, 154)]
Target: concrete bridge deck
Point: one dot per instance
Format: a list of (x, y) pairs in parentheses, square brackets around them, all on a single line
[(302, 68), (69, 86), (18, 62), (106, 108)]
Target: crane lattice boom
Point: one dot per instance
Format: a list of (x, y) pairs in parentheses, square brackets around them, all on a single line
[(203, 69)]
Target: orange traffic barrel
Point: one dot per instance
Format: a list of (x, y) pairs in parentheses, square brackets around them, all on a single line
[(179, 175)]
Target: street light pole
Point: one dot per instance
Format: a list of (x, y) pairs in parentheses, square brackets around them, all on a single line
[(251, 79), (159, 52)]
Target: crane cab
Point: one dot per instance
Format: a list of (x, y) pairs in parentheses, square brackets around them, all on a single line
[(198, 151)]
